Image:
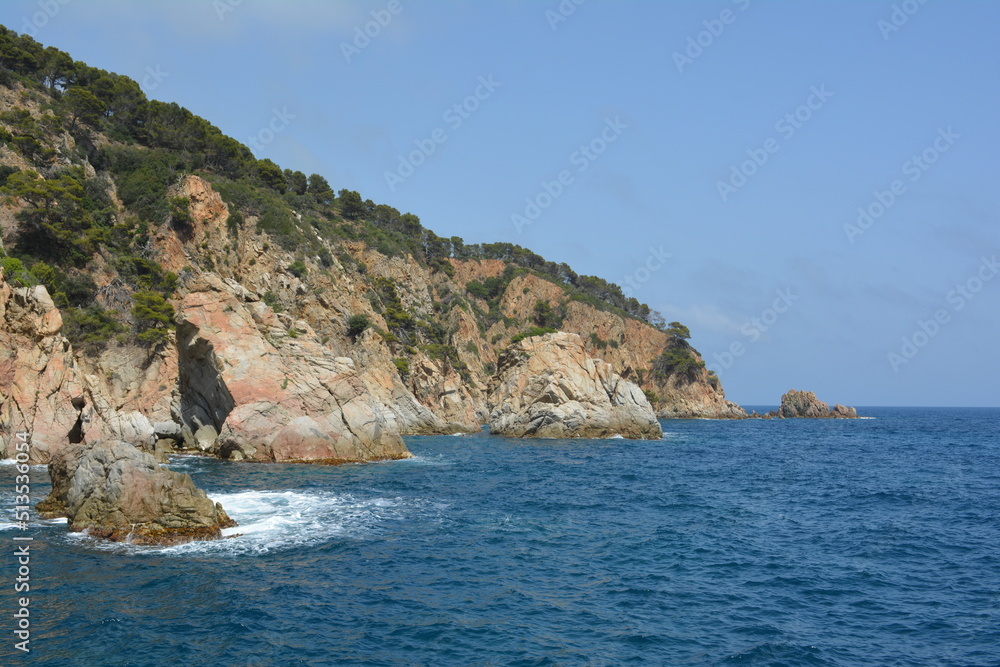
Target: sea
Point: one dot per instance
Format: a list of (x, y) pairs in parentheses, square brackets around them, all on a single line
[(784, 542)]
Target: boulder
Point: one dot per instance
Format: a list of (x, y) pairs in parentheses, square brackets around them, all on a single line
[(205, 438), (167, 430), (114, 491), (547, 387)]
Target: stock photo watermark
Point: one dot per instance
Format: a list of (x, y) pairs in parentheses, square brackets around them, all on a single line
[(363, 35), (562, 12), (958, 298), (223, 7), (913, 169), (152, 78), (47, 10), (704, 39), (755, 328), (454, 116), (786, 127), (655, 260), (280, 120), (581, 159), (22, 543), (900, 16)]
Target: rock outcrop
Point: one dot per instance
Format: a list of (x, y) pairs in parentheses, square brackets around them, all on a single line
[(797, 404), (114, 491), (548, 387), (268, 395)]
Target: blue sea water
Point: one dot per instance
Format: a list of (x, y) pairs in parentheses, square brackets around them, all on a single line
[(799, 542)]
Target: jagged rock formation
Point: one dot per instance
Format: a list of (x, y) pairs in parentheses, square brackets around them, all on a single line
[(296, 402), (114, 491), (797, 404), (45, 392), (547, 387)]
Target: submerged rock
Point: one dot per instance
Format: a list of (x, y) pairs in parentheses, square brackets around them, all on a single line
[(547, 387), (117, 492)]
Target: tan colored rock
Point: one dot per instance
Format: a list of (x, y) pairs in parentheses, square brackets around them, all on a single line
[(273, 398), (548, 387), (804, 404), (114, 491)]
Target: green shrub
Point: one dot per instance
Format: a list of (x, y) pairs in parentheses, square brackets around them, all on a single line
[(90, 329), (532, 332), (271, 300), (154, 317), (298, 269), (402, 365), (356, 325)]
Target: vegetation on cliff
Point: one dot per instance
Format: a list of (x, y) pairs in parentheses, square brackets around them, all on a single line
[(92, 172)]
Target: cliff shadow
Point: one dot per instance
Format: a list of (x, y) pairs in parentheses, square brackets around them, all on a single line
[(204, 397)]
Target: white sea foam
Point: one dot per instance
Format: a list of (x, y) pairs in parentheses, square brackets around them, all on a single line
[(7, 462), (617, 436), (279, 520)]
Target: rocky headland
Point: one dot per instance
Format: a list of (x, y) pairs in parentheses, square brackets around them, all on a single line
[(549, 387)]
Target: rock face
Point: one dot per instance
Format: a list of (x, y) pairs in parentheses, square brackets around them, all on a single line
[(286, 400), (547, 387), (114, 491), (804, 405)]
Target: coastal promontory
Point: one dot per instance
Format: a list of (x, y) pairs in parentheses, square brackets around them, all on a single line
[(548, 387)]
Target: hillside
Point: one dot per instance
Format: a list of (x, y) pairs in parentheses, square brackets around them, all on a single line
[(155, 272)]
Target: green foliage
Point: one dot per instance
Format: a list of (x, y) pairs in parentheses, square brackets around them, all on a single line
[(651, 396), (597, 341), (55, 223), (272, 300), (396, 317), (547, 317), (154, 317), (270, 175), (83, 106), (678, 333), (14, 273), (351, 206), (296, 182), (273, 214), (142, 177), (532, 332), (356, 325), (679, 361), (5, 172), (90, 329), (402, 365), (146, 274), (320, 190), (298, 269)]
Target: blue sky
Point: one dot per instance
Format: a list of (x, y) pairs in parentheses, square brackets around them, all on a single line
[(713, 154)]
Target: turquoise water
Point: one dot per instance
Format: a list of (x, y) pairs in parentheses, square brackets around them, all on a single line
[(871, 542)]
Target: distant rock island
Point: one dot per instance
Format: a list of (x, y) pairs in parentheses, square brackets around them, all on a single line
[(797, 404), (549, 387)]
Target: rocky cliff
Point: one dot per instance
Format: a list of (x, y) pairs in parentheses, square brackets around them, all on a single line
[(548, 387), (163, 286)]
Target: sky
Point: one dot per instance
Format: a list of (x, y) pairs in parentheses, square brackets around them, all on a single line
[(811, 187)]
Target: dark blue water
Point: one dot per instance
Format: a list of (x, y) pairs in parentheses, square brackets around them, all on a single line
[(872, 542)]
